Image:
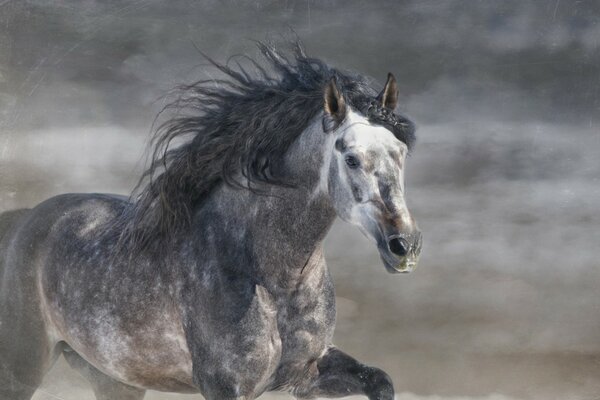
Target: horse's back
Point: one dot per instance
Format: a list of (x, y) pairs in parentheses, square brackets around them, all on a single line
[(24, 230)]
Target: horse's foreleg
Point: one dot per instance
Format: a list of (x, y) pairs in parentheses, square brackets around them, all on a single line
[(340, 375)]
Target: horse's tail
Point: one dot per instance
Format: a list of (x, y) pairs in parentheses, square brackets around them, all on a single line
[(8, 219)]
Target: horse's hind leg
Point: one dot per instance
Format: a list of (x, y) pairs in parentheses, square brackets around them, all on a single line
[(104, 387), (19, 380), (26, 351), (25, 357)]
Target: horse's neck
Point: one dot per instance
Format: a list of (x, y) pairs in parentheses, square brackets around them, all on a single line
[(288, 226)]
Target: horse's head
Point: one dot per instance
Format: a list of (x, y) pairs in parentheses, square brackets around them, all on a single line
[(365, 175)]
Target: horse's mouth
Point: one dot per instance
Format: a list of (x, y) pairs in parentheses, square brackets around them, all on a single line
[(404, 266), (398, 265)]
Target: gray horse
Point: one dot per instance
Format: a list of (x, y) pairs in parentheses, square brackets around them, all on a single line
[(213, 279)]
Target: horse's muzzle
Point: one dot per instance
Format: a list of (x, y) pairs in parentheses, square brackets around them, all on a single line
[(400, 254)]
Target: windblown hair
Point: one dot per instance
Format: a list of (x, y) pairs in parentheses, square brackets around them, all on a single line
[(239, 125)]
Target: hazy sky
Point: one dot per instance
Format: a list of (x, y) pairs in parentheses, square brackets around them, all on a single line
[(62, 62)]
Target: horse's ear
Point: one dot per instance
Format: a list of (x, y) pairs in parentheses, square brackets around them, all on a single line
[(334, 103), (389, 95)]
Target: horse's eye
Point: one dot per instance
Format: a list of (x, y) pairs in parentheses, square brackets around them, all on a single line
[(352, 162)]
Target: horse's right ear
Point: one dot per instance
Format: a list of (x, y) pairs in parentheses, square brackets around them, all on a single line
[(334, 106)]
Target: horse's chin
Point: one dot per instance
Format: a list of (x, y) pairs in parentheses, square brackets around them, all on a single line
[(397, 265)]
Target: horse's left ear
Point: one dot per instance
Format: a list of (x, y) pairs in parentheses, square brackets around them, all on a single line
[(389, 95), (334, 105)]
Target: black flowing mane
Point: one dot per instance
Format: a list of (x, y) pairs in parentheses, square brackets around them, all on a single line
[(239, 124)]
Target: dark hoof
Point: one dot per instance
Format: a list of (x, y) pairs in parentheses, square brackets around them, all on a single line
[(380, 386)]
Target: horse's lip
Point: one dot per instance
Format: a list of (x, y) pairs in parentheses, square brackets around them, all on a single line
[(405, 267), (398, 266), (394, 264), (401, 267)]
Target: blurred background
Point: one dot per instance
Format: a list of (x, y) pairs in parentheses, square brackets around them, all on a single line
[(504, 180)]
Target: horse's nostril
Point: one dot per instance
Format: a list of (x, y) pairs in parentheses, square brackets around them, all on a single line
[(398, 246)]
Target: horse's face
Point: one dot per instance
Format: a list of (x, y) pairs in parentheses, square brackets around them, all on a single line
[(366, 185)]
